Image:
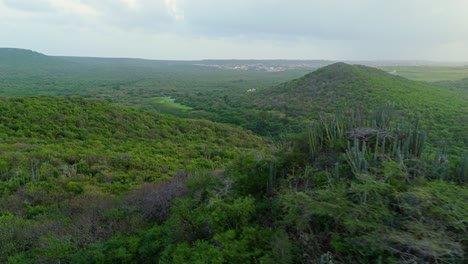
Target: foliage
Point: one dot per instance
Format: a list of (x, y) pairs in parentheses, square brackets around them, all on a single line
[(76, 171), (83, 181)]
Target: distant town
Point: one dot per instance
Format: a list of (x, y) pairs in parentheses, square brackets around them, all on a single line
[(284, 65)]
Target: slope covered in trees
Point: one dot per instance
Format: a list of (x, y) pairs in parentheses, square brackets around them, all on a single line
[(62, 154), (342, 86), (290, 106), (71, 131)]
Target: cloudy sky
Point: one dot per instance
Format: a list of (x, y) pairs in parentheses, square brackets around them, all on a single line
[(240, 29)]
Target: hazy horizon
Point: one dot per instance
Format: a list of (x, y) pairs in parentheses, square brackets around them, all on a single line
[(355, 30), (246, 59)]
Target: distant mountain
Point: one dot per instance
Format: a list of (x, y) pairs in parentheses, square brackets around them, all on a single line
[(6, 53), (342, 86), (16, 57), (18, 65)]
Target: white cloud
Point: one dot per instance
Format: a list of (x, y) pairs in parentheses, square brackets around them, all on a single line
[(174, 9), (352, 29)]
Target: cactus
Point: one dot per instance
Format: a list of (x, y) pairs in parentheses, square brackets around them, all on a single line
[(440, 164), (408, 141), (383, 116), (314, 139), (356, 157)]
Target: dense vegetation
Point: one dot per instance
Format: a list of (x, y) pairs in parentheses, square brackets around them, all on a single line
[(461, 85), (131, 82), (338, 193), (287, 106), (92, 137), (63, 153), (343, 86), (358, 166)]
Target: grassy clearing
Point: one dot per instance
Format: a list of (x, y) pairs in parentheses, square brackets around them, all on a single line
[(429, 73), (170, 103)]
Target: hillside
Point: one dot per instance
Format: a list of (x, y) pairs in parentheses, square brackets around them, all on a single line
[(9, 56), (69, 165), (96, 138), (340, 86)]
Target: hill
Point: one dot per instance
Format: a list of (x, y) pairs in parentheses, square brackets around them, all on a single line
[(21, 61), (16, 56), (340, 86)]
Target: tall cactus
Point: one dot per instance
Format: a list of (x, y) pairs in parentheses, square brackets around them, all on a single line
[(408, 141), (356, 157)]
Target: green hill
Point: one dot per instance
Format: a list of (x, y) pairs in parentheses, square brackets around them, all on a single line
[(340, 86)]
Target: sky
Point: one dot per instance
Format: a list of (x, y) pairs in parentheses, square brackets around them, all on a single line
[(240, 29)]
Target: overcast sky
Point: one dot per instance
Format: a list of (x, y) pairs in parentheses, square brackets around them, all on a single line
[(240, 29)]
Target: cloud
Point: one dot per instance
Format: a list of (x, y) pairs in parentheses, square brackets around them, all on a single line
[(328, 20), (351, 29), (174, 9), (151, 16)]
